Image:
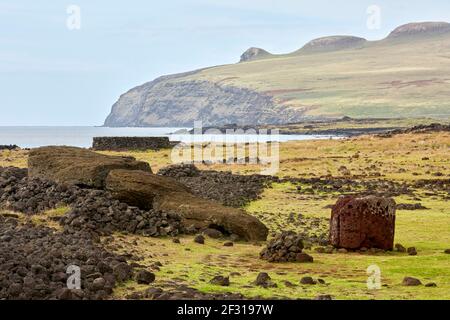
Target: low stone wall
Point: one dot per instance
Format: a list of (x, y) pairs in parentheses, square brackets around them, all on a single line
[(8, 147), (130, 143)]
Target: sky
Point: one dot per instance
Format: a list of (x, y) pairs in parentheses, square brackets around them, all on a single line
[(66, 63)]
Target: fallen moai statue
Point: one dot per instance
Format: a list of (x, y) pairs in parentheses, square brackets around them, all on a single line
[(77, 166), (145, 190)]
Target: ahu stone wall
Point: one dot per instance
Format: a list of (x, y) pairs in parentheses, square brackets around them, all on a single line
[(130, 143)]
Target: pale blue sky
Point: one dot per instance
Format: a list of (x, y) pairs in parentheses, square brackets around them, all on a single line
[(50, 75)]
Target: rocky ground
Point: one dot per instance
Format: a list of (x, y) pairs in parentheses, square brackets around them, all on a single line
[(412, 168), (34, 261), (227, 188)]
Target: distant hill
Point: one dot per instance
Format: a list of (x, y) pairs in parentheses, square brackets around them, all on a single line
[(406, 74)]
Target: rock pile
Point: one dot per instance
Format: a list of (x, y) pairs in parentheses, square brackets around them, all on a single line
[(363, 222), (227, 188), (286, 247), (434, 127), (34, 262), (32, 196), (99, 213), (95, 211)]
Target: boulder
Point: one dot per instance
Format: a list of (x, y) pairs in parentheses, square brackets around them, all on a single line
[(411, 282), (146, 190), (358, 222), (78, 166)]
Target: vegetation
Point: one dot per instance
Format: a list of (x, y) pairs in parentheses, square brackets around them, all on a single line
[(403, 159)]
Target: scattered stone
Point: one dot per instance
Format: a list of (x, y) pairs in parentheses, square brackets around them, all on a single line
[(431, 285), (212, 233), (145, 277), (228, 244), (411, 282), (98, 284), (264, 280), (363, 222), (412, 251), (447, 251), (307, 281), (304, 258), (199, 239), (342, 250), (176, 240), (122, 271), (400, 248), (220, 281)]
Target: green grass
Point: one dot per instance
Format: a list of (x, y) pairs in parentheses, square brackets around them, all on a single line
[(427, 230)]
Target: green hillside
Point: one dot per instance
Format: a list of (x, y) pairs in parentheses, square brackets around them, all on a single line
[(405, 75)]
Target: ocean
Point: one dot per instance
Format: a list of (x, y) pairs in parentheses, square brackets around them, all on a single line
[(32, 137)]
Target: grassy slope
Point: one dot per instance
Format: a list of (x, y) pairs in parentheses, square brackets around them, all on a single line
[(355, 82), (427, 230)]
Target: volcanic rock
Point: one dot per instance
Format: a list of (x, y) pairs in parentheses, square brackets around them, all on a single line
[(34, 264), (199, 239), (358, 222), (229, 189), (411, 282), (412, 251), (145, 277), (308, 281), (286, 247), (221, 281), (264, 280), (212, 233)]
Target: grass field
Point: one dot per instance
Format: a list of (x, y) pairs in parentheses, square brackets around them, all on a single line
[(401, 159)]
